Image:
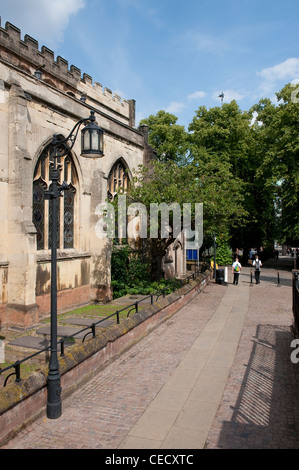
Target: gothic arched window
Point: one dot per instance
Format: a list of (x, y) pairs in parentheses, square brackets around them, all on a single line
[(118, 178), (42, 209)]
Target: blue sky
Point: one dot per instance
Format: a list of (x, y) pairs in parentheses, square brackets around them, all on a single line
[(167, 54)]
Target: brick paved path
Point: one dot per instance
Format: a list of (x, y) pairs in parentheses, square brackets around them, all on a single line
[(259, 408)]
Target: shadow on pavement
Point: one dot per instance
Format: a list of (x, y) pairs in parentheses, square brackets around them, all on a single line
[(268, 279), (283, 263), (266, 414)]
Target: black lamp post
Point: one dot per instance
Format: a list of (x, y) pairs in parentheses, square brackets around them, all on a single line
[(92, 147), (214, 243)]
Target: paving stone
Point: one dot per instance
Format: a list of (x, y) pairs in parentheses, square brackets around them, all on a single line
[(63, 331), (88, 322), (33, 342), (131, 299)]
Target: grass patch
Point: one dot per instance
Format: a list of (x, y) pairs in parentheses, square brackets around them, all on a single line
[(93, 311), (26, 371)]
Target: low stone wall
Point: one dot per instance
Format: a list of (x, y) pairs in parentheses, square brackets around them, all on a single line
[(21, 403)]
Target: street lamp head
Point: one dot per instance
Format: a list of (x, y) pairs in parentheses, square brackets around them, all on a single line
[(92, 143)]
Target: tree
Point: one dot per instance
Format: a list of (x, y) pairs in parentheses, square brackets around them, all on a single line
[(223, 250), (167, 137), (162, 183), (245, 172), (223, 133), (279, 169), (209, 183), (220, 142)]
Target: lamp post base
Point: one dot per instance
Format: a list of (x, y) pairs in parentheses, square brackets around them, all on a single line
[(54, 401), (53, 410)]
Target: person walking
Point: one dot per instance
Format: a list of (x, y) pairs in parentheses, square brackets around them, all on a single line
[(257, 264), (236, 269)]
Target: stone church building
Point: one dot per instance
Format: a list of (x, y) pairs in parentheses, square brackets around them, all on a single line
[(41, 96)]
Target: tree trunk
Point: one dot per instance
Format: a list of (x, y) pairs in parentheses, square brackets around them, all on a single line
[(155, 250)]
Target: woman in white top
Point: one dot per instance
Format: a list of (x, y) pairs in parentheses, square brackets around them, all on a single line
[(236, 268)]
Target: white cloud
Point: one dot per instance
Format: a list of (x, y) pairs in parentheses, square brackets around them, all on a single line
[(197, 95), (289, 69), (175, 107), (43, 20)]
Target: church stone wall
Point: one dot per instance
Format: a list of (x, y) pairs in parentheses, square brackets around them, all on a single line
[(31, 111)]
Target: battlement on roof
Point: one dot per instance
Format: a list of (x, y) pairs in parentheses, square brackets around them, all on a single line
[(25, 54)]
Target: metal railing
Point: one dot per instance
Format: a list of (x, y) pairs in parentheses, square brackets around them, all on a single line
[(134, 306), (296, 302)]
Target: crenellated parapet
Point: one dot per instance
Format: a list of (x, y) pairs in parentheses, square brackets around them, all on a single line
[(26, 56)]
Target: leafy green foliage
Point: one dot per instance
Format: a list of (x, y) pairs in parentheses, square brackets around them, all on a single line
[(245, 173), (209, 182), (131, 275), (167, 137), (223, 250), (278, 138), (222, 134)]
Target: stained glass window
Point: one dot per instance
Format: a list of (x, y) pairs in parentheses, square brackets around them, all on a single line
[(42, 209), (50, 224), (39, 187), (118, 179), (68, 228)]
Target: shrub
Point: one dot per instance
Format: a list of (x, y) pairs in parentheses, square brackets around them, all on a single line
[(223, 250), (131, 275)]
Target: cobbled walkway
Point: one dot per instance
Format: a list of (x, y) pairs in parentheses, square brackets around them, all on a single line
[(259, 407)]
